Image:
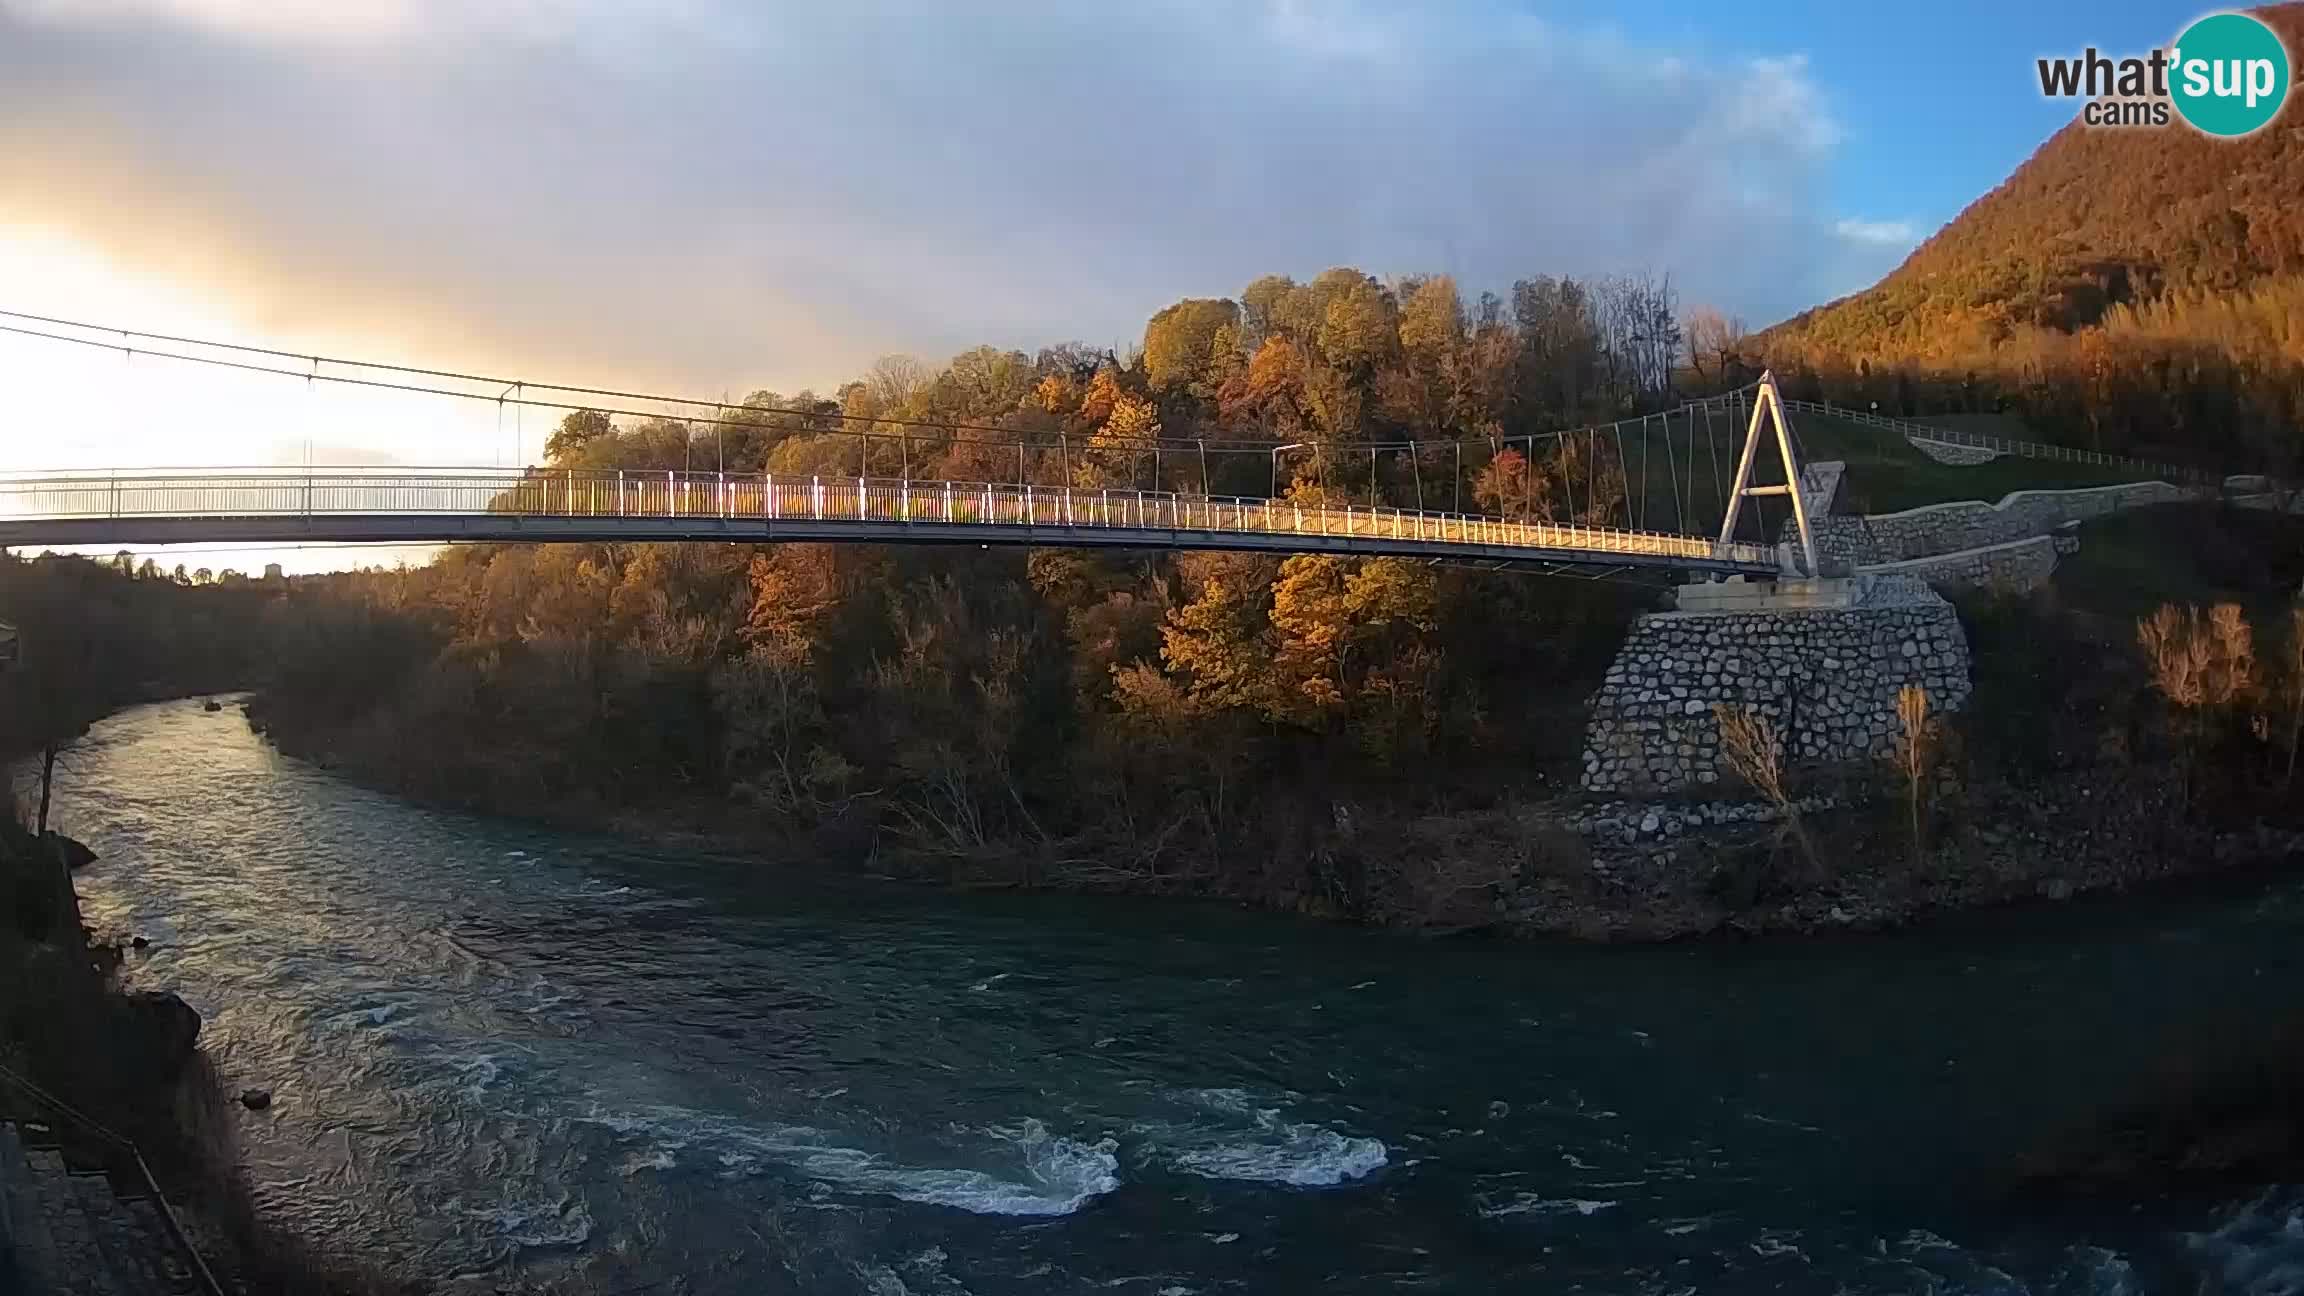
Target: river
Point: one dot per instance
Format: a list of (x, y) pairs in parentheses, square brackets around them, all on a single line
[(612, 1067)]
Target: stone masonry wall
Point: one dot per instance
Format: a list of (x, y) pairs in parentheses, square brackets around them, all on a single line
[(2273, 500), (1944, 528), (1952, 452), (1827, 679), (2016, 567), (1843, 538), (1969, 524)]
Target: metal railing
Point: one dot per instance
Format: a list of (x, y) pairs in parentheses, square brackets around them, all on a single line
[(133, 1158), (1981, 441), (641, 495)]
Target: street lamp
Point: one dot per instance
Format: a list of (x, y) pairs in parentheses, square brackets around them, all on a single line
[(1293, 445)]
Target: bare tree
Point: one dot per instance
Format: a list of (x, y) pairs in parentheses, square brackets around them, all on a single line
[(894, 379), (2201, 663), (1714, 341), (1755, 751), (1915, 756)]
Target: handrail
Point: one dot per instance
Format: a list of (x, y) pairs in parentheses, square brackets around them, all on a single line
[(168, 1215), (639, 495), (1982, 441)]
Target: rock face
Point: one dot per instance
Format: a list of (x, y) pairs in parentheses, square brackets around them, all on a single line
[(1826, 679), (74, 854), (160, 1032)]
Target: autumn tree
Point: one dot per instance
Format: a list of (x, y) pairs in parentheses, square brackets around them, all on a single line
[(1184, 344), (1215, 642), (1509, 486), (1115, 453), (1433, 387), (578, 430)]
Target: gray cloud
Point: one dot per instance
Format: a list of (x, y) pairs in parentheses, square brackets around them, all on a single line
[(724, 193)]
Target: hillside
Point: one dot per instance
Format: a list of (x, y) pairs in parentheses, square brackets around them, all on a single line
[(2096, 218)]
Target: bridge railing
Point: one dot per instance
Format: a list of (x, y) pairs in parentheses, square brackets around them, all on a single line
[(773, 497), (1911, 430)]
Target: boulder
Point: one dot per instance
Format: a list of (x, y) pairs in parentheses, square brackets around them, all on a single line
[(211, 705), (159, 1033), (74, 854)]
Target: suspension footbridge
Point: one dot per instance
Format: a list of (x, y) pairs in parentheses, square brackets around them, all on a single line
[(354, 505), (1609, 500)]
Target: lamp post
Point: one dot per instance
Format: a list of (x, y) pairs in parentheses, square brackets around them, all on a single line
[(1293, 445)]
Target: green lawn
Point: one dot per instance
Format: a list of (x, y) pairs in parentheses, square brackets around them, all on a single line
[(1885, 473), (2007, 427), (2131, 562)]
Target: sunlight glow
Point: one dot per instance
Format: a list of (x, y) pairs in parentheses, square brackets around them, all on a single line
[(80, 407)]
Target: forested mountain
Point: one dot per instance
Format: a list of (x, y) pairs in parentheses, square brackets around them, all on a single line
[(2134, 288)]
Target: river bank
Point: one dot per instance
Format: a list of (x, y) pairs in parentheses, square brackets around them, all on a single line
[(107, 1083), (1564, 866)]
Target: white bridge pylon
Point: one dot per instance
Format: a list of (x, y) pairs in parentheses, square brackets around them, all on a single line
[(1768, 404)]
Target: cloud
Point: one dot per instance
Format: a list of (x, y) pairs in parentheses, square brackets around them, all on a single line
[(724, 193), (1898, 234)]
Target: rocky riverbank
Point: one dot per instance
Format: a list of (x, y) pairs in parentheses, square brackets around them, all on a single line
[(107, 1081), (1744, 876)]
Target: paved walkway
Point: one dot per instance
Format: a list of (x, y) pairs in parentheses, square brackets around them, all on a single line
[(65, 1232)]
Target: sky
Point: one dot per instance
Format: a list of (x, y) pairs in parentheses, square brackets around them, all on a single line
[(724, 195)]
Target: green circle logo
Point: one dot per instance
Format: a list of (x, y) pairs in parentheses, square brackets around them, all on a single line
[(2228, 74)]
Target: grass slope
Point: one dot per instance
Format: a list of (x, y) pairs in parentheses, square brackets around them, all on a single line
[(2130, 563), (1886, 474), (1680, 468)]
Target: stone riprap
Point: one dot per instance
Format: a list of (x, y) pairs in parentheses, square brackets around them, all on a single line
[(2016, 567), (1632, 822), (1953, 452), (1826, 679)]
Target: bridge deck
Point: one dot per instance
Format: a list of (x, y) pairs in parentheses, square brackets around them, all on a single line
[(452, 505)]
